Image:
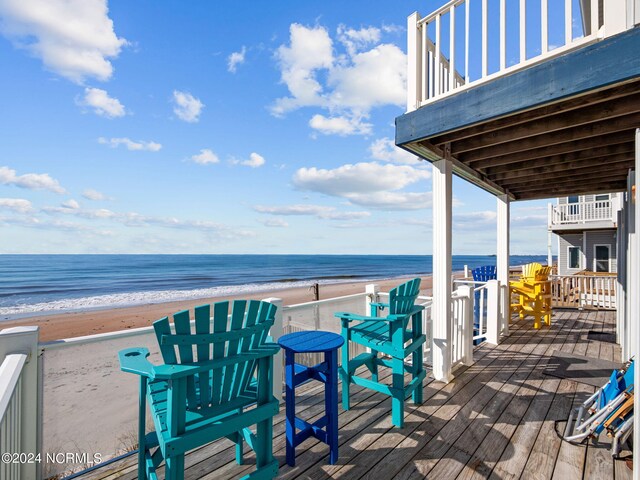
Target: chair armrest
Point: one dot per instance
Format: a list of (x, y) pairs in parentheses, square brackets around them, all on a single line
[(134, 360), (380, 305), (171, 372), (360, 318)]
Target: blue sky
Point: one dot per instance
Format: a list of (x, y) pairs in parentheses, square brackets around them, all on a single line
[(203, 127)]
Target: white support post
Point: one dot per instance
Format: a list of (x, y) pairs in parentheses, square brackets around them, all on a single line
[(25, 340), (635, 295), (372, 290), (502, 259), (594, 17), (494, 317), (466, 272), (276, 332), (615, 16), (441, 310), (549, 254), (414, 62), (467, 326)]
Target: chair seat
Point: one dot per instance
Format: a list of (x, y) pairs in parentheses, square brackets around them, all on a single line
[(196, 418), (376, 333)]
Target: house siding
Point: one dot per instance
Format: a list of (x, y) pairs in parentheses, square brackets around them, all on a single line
[(606, 237), (566, 240), (603, 237)]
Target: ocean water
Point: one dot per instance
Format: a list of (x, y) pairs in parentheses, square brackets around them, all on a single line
[(37, 284)]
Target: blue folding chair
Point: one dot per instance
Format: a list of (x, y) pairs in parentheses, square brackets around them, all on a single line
[(610, 408)]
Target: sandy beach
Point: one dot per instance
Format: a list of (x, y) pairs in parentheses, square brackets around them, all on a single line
[(79, 323)]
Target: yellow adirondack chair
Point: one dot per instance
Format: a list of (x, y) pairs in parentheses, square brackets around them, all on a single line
[(533, 292)]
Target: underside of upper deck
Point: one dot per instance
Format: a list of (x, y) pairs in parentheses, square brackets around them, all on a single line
[(496, 419), (560, 127)]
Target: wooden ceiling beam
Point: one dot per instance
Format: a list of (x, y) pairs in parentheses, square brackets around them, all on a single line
[(600, 163), (618, 186), (593, 114), (485, 157), (568, 186), (589, 98), (588, 156), (569, 177)]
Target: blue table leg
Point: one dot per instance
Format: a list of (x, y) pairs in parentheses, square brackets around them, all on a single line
[(331, 402), (290, 407)]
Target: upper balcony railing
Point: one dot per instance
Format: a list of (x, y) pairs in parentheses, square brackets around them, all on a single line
[(468, 42), (582, 213)]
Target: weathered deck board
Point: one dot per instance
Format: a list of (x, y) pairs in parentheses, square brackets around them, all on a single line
[(496, 419)]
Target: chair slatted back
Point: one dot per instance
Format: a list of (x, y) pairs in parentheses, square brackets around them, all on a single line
[(530, 270), (403, 297), (484, 273), (224, 335)]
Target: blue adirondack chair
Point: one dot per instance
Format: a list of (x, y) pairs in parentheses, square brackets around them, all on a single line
[(481, 274), (398, 335), (196, 399)]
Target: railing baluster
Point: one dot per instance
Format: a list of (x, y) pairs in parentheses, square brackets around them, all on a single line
[(568, 22), (467, 6), (523, 30), (426, 65), (485, 53), (438, 59), (544, 25), (503, 34), (452, 48)]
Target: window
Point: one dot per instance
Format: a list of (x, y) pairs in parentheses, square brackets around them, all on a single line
[(574, 207), (601, 260), (602, 198), (574, 257)]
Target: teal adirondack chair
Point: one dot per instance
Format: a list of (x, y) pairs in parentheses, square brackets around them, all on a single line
[(208, 379), (397, 335)]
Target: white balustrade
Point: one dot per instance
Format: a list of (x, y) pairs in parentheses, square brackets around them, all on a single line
[(583, 212), (433, 41)]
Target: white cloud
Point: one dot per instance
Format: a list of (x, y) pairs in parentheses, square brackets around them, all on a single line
[(31, 181), (372, 185), (392, 200), (71, 204), (19, 205), (255, 160), (355, 40), (205, 157), (133, 219), (309, 49), (347, 85), (340, 125), (319, 211), (95, 195), (130, 144), (358, 178), (384, 149), (235, 59), (186, 106), (274, 223), (102, 104), (74, 38)]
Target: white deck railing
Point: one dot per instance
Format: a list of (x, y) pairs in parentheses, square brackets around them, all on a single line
[(442, 44), (11, 414), (584, 291), (462, 326), (583, 212), (20, 407)]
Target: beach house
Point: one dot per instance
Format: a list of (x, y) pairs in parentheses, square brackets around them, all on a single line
[(525, 99), (586, 230)]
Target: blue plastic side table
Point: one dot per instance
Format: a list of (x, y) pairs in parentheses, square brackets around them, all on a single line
[(326, 428)]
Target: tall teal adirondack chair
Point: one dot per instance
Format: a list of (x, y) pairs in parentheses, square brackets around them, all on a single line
[(208, 379), (397, 335)]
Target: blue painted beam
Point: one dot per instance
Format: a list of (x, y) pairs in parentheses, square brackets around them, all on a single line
[(607, 62)]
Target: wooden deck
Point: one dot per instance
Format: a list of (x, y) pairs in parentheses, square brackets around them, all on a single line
[(495, 420)]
